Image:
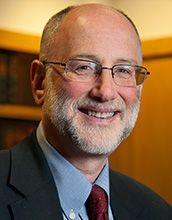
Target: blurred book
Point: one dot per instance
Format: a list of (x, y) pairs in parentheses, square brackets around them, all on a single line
[(15, 77)]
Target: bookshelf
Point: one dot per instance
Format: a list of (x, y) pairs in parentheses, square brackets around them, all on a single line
[(18, 112)]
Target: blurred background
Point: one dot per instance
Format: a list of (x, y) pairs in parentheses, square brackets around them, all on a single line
[(152, 17), (147, 154)]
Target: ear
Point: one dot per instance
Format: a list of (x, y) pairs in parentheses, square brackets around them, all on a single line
[(37, 75)]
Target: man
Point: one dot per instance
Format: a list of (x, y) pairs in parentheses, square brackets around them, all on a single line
[(88, 81)]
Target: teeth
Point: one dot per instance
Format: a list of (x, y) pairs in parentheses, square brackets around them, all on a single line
[(101, 114)]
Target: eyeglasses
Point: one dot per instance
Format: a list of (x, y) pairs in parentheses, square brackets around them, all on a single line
[(88, 71)]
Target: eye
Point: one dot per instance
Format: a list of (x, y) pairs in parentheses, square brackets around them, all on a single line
[(123, 71), (81, 67)]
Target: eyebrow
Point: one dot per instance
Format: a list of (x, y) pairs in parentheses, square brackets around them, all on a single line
[(87, 56), (128, 60), (97, 60)]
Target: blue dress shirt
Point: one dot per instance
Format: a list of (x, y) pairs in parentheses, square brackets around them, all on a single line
[(72, 186)]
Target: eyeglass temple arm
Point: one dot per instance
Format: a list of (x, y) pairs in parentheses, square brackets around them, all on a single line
[(51, 62)]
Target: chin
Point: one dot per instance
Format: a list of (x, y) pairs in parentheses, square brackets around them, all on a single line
[(97, 140)]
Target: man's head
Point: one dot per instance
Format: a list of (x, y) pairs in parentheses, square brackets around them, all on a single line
[(87, 117)]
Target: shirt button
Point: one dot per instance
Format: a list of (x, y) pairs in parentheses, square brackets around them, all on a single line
[(72, 214)]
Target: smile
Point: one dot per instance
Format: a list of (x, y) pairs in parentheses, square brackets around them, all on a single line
[(99, 114)]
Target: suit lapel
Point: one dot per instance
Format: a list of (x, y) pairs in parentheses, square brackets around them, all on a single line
[(31, 178), (41, 204)]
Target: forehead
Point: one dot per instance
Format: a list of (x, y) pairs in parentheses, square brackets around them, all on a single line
[(89, 29), (89, 15)]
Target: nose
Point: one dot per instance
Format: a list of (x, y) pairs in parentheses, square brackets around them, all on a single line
[(104, 89)]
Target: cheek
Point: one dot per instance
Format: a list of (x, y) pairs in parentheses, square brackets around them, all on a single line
[(130, 95), (76, 89)]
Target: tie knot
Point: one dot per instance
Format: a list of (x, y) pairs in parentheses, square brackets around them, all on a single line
[(97, 204)]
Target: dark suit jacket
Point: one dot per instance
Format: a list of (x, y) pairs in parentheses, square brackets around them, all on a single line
[(28, 192)]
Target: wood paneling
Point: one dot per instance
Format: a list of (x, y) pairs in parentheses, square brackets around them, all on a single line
[(20, 112), (19, 42)]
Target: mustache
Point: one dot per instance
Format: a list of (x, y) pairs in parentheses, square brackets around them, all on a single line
[(111, 105)]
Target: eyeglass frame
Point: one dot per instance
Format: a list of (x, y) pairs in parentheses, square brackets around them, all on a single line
[(102, 67)]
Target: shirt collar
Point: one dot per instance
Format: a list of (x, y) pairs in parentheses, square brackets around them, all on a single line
[(73, 188)]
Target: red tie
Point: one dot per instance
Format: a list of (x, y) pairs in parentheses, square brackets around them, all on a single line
[(97, 204)]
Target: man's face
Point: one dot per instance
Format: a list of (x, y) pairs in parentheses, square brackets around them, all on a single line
[(96, 116)]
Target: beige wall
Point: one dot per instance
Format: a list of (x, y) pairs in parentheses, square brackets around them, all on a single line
[(30, 16), (152, 17)]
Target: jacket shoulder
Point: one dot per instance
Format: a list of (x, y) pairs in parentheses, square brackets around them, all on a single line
[(136, 196), (4, 163), (5, 156)]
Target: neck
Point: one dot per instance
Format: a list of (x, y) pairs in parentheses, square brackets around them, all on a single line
[(89, 166)]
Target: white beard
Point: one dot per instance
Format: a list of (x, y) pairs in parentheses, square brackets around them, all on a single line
[(63, 114)]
